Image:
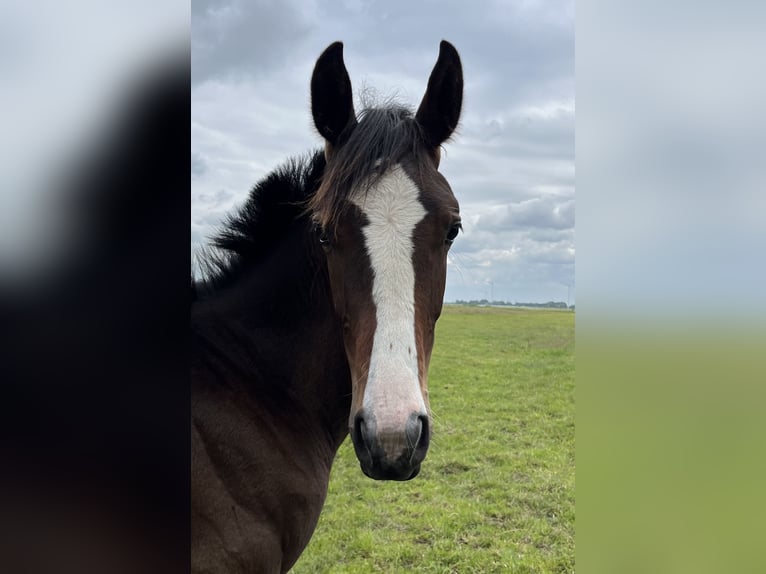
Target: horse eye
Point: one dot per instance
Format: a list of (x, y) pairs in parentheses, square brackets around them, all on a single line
[(452, 233), (321, 234)]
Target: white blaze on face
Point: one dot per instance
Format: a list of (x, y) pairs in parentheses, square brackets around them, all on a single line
[(393, 210)]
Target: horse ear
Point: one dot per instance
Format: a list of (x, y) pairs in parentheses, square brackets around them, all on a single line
[(332, 103), (439, 111)]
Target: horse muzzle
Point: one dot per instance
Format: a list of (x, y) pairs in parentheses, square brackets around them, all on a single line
[(391, 451)]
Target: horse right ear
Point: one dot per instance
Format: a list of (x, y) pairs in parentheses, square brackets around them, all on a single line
[(332, 102), (439, 112)]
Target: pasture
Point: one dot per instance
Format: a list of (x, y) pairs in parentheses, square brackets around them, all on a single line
[(496, 491)]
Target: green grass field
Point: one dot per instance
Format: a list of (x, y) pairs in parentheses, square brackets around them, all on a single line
[(496, 491)]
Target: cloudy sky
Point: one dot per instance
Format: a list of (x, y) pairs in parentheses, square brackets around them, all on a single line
[(511, 164)]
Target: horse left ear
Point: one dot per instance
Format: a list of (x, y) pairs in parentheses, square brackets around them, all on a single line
[(332, 102), (439, 111)]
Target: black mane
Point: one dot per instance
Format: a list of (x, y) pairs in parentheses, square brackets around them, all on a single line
[(381, 139), (274, 202)]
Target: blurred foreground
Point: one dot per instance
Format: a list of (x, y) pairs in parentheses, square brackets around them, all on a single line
[(93, 303)]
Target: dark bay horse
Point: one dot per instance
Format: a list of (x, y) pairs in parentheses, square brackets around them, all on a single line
[(316, 320)]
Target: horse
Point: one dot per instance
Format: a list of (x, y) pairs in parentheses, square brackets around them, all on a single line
[(315, 319)]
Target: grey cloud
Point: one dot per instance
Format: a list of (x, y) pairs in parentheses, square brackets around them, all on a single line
[(245, 37), (198, 165), (211, 218), (216, 199), (515, 247), (530, 133), (516, 155), (541, 213), (550, 235)]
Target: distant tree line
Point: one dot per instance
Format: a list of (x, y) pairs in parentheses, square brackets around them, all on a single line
[(485, 302)]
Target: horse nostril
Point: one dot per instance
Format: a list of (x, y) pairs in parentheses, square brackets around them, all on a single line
[(417, 433), (358, 424), (413, 430), (425, 433), (361, 431)]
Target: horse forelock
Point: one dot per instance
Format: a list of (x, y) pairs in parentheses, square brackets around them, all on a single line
[(382, 138)]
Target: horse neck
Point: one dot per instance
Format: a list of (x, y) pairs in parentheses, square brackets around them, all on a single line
[(278, 341)]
